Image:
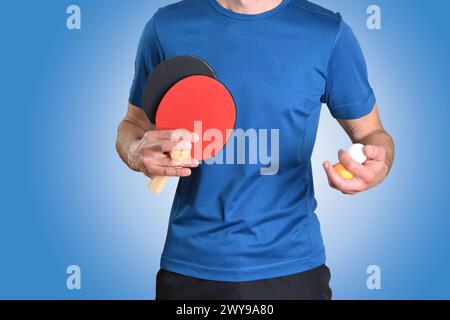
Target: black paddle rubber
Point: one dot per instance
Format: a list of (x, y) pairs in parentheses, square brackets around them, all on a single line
[(165, 75)]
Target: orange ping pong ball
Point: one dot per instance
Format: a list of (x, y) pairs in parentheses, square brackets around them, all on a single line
[(181, 151), (356, 151), (344, 173), (180, 155)]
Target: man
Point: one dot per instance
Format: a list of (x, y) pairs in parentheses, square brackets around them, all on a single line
[(234, 233)]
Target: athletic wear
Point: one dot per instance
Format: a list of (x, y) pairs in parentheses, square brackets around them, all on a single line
[(229, 222), (308, 285)]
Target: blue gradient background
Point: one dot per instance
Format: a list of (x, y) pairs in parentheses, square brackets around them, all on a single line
[(66, 198)]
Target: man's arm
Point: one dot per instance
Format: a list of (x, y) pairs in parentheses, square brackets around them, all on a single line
[(144, 149), (131, 130), (379, 149)]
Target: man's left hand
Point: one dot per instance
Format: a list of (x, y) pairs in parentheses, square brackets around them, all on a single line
[(367, 175)]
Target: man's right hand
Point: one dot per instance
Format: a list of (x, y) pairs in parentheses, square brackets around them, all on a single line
[(150, 155), (145, 149)]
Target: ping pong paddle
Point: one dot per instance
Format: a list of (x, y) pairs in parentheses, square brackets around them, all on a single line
[(165, 75), (202, 105), (160, 80)]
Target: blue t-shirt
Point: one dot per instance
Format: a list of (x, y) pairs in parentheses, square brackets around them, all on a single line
[(230, 222)]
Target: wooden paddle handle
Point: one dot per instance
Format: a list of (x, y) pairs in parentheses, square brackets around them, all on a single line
[(157, 184)]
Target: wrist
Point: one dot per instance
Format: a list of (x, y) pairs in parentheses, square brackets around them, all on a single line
[(133, 157)]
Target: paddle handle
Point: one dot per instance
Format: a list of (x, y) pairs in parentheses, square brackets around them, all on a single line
[(157, 184)]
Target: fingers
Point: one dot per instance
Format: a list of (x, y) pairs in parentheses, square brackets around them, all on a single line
[(155, 146), (163, 159), (375, 153), (173, 135), (155, 170), (166, 141), (167, 167), (358, 170), (168, 162), (168, 146)]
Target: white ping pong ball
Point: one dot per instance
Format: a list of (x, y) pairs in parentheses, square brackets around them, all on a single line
[(356, 151)]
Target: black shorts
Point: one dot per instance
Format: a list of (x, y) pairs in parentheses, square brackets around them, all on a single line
[(309, 285)]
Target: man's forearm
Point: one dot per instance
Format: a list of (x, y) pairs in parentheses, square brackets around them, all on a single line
[(382, 139)]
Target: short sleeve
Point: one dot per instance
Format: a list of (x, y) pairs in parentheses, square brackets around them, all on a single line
[(348, 94), (149, 54)]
